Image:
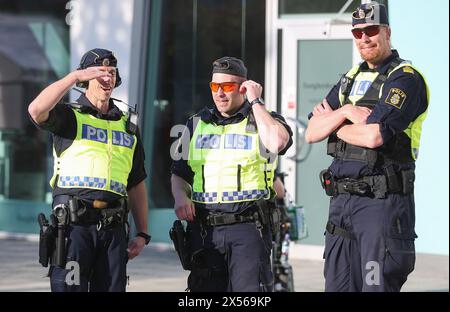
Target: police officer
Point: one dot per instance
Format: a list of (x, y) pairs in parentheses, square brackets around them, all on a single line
[(222, 183), (99, 164), (373, 119)]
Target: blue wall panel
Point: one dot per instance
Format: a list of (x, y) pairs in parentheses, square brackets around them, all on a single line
[(420, 33)]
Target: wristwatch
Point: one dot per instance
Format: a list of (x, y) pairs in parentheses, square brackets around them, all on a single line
[(145, 236), (257, 101)]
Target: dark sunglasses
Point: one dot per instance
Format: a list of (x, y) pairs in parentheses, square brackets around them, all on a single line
[(225, 86), (370, 31)]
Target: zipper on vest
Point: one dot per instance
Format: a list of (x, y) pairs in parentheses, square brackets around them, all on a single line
[(265, 177), (239, 178), (109, 134), (220, 182), (203, 178)]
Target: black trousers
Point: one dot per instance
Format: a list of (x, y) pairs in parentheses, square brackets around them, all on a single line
[(382, 254), (236, 258), (96, 260)]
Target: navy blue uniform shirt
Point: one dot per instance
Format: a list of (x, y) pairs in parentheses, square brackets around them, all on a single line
[(182, 169), (62, 124), (392, 119)]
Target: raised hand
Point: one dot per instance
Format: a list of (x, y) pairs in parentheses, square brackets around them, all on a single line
[(92, 73), (252, 88)]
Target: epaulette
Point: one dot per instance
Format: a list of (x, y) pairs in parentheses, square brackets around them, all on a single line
[(205, 115), (251, 123)]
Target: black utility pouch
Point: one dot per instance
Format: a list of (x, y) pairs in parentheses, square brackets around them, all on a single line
[(327, 181), (408, 177)]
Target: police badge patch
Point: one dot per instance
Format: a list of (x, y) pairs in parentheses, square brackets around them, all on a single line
[(361, 13), (396, 98)]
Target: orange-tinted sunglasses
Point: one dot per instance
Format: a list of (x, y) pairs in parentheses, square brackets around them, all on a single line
[(225, 86)]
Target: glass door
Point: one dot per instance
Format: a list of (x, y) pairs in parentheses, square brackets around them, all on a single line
[(313, 59)]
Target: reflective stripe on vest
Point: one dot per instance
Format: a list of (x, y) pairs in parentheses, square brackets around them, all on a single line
[(233, 196), (228, 165), (100, 157)]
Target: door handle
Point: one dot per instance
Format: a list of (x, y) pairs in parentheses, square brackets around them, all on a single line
[(302, 148)]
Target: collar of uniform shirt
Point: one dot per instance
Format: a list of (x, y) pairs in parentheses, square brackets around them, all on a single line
[(236, 117), (112, 114)]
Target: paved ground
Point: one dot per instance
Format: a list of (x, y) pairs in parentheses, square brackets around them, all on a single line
[(158, 269)]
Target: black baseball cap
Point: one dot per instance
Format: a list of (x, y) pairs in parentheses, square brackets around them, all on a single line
[(98, 57), (370, 13), (230, 65)]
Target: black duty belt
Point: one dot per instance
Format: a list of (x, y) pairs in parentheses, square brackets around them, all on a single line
[(336, 230), (95, 212), (372, 186), (222, 218), (229, 218), (100, 204)]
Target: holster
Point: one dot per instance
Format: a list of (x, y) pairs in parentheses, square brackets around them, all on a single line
[(273, 216), (61, 215), (52, 236), (47, 240), (179, 238), (270, 214), (327, 182)]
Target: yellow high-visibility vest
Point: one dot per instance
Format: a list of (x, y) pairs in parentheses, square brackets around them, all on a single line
[(100, 157), (227, 164)]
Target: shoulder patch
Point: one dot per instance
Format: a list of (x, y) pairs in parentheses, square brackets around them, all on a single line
[(407, 69), (396, 98)]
